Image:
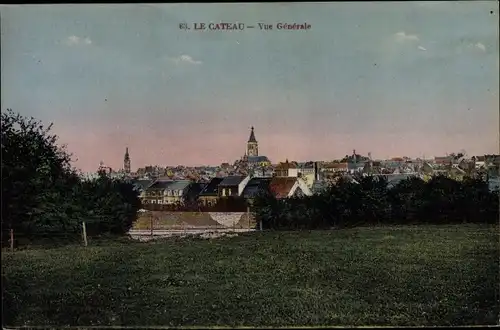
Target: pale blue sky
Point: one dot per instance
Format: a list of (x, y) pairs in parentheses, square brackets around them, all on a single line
[(399, 79)]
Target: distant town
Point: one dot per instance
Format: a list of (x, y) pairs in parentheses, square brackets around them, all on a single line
[(286, 178)]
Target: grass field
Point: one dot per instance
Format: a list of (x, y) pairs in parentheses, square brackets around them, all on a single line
[(426, 275)]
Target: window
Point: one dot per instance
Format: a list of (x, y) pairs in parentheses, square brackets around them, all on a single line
[(153, 201), (159, 201), (223, 191)]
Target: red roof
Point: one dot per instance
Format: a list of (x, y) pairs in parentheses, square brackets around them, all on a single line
[(281, 186)]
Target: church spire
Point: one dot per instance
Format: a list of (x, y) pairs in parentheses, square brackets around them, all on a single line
[(126, 161), (252, 145), (252, 137)]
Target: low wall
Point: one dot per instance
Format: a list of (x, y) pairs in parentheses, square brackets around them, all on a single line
[(167, 220)]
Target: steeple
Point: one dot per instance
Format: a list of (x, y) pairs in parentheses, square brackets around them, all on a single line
[(252, 137), (252, 145), (126, 161)]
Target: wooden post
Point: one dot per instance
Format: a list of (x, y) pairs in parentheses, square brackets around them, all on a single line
[(260, 225), (151, 224), (12, 240), (248, 216), (84, 234)]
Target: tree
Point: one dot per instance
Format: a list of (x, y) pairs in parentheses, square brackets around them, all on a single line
[(36, 176), (42, 195), (112, 203)]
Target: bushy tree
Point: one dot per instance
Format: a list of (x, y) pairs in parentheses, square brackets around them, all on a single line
[(44, 197), (36, 178), (112, 203), (268, 209), (406, 200)]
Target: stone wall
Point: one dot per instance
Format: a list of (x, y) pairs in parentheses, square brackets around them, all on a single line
[(166, 220)]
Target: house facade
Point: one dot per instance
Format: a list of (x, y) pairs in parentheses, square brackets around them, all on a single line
[(176, 192), (336, 167), (154, 193), (232, 186), (167, 192), (141, 187), (210, 193), (286, 169)]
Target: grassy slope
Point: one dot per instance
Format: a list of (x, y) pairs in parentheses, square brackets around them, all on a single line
[(428, 275)]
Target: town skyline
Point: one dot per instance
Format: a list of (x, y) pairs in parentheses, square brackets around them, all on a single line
[(126, 164), (411, 79)]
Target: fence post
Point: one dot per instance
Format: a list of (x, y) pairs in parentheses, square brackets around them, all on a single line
[(12, 240), (151, 224), (84, 234), (260, 222), (248, 216)]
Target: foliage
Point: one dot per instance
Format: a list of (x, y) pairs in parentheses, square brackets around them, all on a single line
[(370, 201), (113, 205), (43, 196)]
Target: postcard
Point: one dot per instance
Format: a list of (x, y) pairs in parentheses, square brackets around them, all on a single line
[(250, 164)]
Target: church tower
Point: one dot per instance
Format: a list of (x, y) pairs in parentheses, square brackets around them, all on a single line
[(126, 162), (252, 145)]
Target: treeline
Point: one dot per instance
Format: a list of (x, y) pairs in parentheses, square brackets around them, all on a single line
[(440, 200), (43, 197)]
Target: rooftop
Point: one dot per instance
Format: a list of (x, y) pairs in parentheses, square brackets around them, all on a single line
[(254, 186), (281, 186), (257, 159), (232, 180), (252, 137), (211, 188)]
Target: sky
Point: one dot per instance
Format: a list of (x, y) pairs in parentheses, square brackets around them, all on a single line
[(416, 79)]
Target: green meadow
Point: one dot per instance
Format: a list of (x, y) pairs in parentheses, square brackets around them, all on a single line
[(406, 275)]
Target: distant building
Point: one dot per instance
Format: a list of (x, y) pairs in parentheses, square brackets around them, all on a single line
[(176, 191), (443, 161), (286, 169), (209, 195), (232, 185), (104, 168), (254, 187), (252, 145), (336, 167), (167, 192), (141, 186), (252, 157), (126, 162), (284, 187)]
